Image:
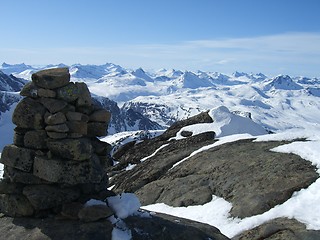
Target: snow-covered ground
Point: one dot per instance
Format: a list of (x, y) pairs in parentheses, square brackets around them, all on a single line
[(303, 205)]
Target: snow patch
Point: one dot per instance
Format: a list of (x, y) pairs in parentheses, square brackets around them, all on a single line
[(124, 205)]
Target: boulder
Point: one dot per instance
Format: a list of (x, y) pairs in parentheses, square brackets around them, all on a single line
[(18, 157), (59, 128), (100, 115), (222, 171), (68, 93), (155, 227), (49, 196), (67, 171), (74, 149), (15, 205), (71, 210), (46, 93), (84, 99), (53, 105), (29, 90), (94, 213), (280, 228), (97, 129), (7, 187), (100, 147), (78, 127), (77, 116), (17, 176), (57, 135), (51, 78), (29, 114), (35, 139)]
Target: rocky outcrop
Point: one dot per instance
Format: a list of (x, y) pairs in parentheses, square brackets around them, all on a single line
[(241, 172), (152, 227), (56, 157), (280, 228)]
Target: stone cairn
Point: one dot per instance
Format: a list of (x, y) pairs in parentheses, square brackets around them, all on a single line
[(56, 160)]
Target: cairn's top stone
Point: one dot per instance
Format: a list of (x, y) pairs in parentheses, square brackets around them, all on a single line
[(51, 78)]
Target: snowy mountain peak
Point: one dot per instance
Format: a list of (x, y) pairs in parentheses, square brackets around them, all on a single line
[(283, 82), (140, 73), (193, 81), (14, 68)]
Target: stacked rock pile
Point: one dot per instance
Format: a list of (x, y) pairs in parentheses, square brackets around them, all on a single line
[(56, 157)]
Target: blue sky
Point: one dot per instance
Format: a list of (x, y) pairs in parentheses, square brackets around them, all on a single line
[(269, 36)]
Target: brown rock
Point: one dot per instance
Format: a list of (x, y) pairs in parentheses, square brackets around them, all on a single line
[(15, 205), (35, 139), (84, 99), (48, 196), (74, 149), (29, 114), (53, 119), (53, 105), (17, 157), (97, 129), (100, 115), (59, 128), (94, 213), (51, 78), (78, 127), (68, 93)]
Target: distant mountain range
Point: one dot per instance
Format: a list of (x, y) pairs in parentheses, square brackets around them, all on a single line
[(165, 96)]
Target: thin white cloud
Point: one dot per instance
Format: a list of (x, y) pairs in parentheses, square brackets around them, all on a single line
[(294, 53)]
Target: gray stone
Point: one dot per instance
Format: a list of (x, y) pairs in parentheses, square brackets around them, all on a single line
[(78, 127), (15, 205), (59, 128), (69, 172), (48, 196), (51, 78), (94, 213), (100, 147), (75, 135), (71, 210), (84, 99), (97, 129), (68, 93), (100, 115), (18, 157), (29, 114), (77, 116), (53, 119), (17, 176), (186, 134), (7, 187), (158, 227), (279, 229), (57, 135), (53, 105), (18, 139), (35, 139), (46, 93), (74, 149), (29, 90)]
